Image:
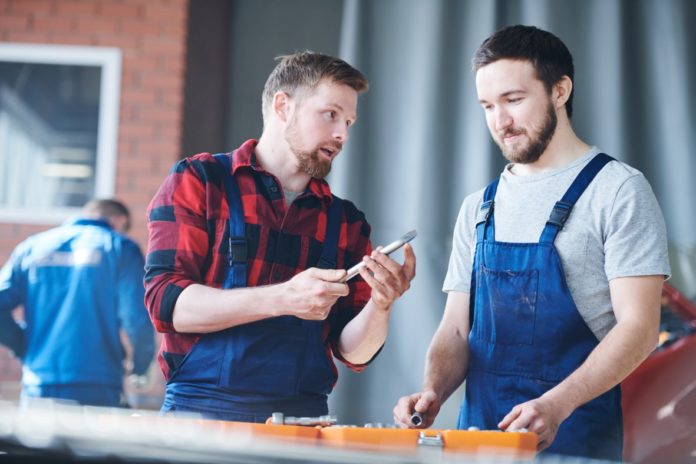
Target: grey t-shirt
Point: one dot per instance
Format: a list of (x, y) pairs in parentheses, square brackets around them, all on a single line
[(616, 229)]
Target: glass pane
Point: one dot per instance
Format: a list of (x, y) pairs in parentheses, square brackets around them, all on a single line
[(49, 116)]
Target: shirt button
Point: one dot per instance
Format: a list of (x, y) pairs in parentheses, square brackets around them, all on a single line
[(276, 276), (273, 189)]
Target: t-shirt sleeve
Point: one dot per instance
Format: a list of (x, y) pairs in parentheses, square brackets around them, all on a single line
[(458, 276), (636, 237)]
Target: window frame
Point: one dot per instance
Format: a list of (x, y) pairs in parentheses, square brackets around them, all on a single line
[(109, 59)]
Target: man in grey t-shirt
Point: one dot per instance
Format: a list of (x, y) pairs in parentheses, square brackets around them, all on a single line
[(556, 271)]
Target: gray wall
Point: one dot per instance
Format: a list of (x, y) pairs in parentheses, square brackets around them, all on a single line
[(262, 30)]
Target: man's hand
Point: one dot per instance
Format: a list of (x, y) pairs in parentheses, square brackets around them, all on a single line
[(138, 382), (426, 403), (311, 293), (540, 416), (387, 278)]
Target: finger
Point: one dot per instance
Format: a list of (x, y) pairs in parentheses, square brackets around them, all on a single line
[(538, 426), (409, 266), (424, 402), (522, 421), (335, 289), (511, 416), (387, 262), (379, 272), (402, 410), (330, 275), (375, 284)]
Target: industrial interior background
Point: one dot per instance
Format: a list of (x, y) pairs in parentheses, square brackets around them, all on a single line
[(191, 81)]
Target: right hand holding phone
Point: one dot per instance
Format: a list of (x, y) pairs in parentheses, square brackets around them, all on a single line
[(387, 278), (311, 293)]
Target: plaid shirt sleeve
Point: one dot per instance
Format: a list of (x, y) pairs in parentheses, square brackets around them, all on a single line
[(178, 240)]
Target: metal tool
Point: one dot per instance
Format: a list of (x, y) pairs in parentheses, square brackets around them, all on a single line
[(278, 418), (416, 419)]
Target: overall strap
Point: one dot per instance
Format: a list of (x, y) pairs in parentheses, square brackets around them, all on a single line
[(333, 230), (236, 243), (561, 210), (485, 227)]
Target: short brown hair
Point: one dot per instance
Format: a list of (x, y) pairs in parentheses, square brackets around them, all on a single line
[(547, 53), (106, 208), (307, 69)]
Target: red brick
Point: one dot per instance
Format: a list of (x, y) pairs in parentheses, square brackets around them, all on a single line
[(167, 132), (171, 100), (136, 130), (131, 11), (14, 22), (74, 8), (171, 14), (175, 66), (137, 60), (32, 6), (27, 37), (130, 77), (53, 24), (67, 38), (162, 46), (140, 28), (122, 41), (95, 26), (158, 149)]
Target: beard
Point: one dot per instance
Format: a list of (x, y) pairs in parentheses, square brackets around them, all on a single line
[(311, 162), (537, 141)]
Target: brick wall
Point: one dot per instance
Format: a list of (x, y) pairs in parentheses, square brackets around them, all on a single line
[(152, 37)]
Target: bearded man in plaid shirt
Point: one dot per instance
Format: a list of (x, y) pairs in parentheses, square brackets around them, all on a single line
[(247, 253)]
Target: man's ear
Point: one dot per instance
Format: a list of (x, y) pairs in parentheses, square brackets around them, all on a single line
[(561, 91), (282, 103), (119, 223)]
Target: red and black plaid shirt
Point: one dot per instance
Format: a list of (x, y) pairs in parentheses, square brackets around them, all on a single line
[(188, 229)]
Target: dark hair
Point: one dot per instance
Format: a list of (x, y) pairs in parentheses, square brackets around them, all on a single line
[(106, 209), (549, 56), (307, 69)]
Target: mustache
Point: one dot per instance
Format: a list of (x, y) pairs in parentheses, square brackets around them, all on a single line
[(338, 146), (511, 132)]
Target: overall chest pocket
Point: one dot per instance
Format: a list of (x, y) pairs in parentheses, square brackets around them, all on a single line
[(505, 306)]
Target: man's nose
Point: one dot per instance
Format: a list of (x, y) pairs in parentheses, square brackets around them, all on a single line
[(502, 119), (341, 132)]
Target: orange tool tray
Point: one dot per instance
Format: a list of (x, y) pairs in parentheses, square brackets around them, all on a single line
[(519, 444), (299, 432)]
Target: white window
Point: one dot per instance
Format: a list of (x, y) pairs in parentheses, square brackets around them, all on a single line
[(58, 127)]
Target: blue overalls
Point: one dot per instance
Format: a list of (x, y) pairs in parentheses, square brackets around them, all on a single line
[(247, 372), (527, 335)]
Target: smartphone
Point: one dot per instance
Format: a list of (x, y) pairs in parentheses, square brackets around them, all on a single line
[(387, 250)]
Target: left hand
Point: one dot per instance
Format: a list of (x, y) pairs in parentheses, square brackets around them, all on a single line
[(138, 382), (387, 278), (540, 416)]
